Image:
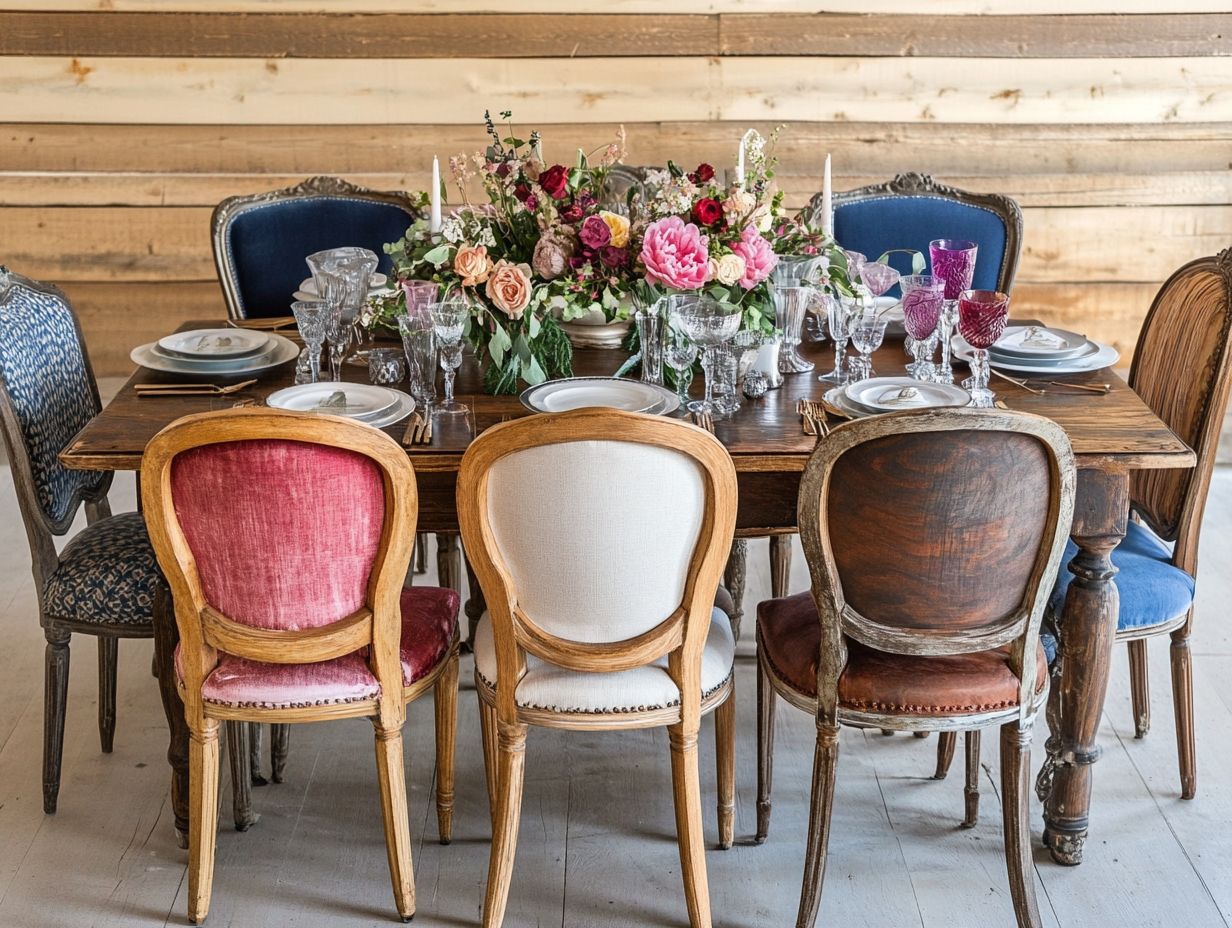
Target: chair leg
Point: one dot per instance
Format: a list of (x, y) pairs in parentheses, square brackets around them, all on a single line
[(487, 729), (765, 750), (202, 817), (108, 660), (686, 791), (1015, 783), (449, 561), (1140, 687), (511, 766), (254, 738), (280, 746), (445, 703), (825, 764), (239, 736), (55, 702), (947, 741), (780, 565), (971, 792), (734, 576), (725, 754), (1182, 704), (419, 563), (391, 780)]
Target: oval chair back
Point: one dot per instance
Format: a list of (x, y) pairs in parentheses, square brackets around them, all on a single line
[(1182, 369), (260, 241), (913, 209)]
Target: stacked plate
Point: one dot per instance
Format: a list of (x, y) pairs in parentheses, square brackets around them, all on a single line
[(1037, 349), (879, 395), (367, 403), (613, 392), (308, 288), (217, 352)]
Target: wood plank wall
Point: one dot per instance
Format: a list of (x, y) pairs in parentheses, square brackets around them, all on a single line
[(122, 122)]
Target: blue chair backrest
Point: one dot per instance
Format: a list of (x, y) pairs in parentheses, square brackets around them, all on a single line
[(874, 224), (268, 242), (46, 382)]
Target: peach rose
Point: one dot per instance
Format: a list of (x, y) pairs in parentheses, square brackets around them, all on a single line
[(508, 288), (619, 226), (472, 264)]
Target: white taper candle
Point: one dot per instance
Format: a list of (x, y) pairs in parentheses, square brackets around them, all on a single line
[(434, 220)]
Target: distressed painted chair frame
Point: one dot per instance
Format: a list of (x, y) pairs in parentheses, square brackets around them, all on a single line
[(681, 637), (378, 626), (838, 619)]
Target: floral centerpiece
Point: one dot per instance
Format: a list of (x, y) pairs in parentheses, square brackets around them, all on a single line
[(541, 249)]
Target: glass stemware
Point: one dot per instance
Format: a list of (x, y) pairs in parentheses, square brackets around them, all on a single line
[(923, 296), (953, 260), (878, 277), (310, 318), (679, 354), (419, 294), (419, 342), (791, 303), (649, 321), (981, 320), (867, 332), (708, 323), (449, 322), (838, 315), (338, 333), (342, 276)]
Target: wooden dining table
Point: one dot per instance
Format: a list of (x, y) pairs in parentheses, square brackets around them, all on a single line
[(1112, 435)]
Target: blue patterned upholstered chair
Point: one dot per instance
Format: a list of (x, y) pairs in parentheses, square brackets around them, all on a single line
[(913, 209), (104, 581), (260, 241)]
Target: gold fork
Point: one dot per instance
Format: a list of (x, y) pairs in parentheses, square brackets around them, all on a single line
[(190, 389), (704, 420), (808, 422)]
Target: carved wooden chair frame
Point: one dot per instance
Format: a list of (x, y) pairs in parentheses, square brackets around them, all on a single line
[(681, 637), (913, 184), (377, 626), (318, 187)]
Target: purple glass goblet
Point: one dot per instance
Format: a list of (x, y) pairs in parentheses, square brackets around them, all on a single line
[(954, 262), (981, 320), (923, 298)]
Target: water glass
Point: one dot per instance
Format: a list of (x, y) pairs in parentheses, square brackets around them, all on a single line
[(449, 322), (923, 296), (679, 354), (419, 342), (790, 305), (310, 318), (981, 320), (867, 333), (386, 366), (649, 323), (342, 276), (338, 333), (726, 375), (839, 313), (708, 323)]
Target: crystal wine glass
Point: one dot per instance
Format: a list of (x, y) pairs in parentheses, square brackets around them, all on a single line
[(981, 320), (338, 333), (878, 277), (838, 315), (793, 278), (449, 322), (923, 296), (867, 332), (679, 354), (351, 271), (953, 260), (419, 342), (708, 323), (310, 317)]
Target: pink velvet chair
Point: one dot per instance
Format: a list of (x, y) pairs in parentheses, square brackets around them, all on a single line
[(285, 539)]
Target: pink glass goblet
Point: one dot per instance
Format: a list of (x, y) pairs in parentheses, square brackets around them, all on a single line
[(953, 260), (981, 320), (923, 298), (878, 277), (420, 294)]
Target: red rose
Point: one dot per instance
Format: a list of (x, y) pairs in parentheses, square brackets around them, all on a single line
[(572, 213), (703, 175), (555, 181), (522, 192), (707, 211)]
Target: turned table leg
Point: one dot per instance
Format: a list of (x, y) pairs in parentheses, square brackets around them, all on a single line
[(1088, 629), (166, 637), (475, 604)]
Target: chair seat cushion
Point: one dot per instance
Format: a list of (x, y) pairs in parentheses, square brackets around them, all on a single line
[(789, 635), (1153, 591), (429, 620), (547, 686), (107, 576)]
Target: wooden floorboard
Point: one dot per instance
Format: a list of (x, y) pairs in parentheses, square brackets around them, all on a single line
[(596, 846)]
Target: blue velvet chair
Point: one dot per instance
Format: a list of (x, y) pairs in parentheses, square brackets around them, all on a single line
[(105, 581), (913, 209), (260, 241)]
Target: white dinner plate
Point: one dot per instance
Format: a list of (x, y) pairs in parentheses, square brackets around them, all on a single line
[(213, 365), (402, 407), (583, 392), (283, 350), (213, 344), (1105, 356), (1040, 342), (362, 401), (838, 399), (894, 394)]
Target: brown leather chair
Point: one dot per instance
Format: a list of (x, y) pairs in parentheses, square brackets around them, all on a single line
[(933, 541)]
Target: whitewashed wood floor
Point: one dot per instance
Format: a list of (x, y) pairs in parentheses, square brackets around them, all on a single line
[(597, 846)]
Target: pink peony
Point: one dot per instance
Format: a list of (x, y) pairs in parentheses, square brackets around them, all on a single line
[(676, 254), (759, 257)]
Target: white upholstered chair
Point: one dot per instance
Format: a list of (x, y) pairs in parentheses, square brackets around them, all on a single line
[(599, 538)]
